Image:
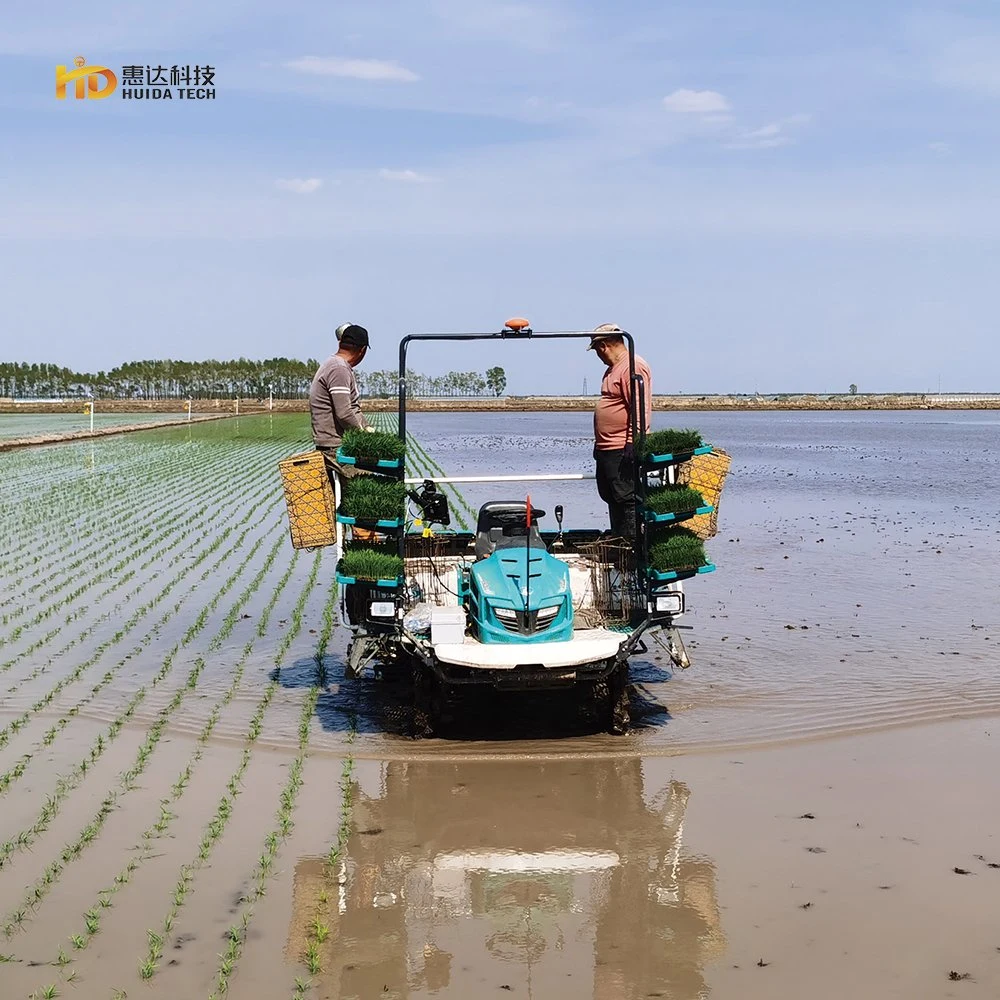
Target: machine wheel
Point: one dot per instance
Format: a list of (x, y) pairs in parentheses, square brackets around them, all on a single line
[(617, 706)]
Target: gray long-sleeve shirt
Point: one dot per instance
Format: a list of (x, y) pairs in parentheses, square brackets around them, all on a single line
[(334, 402)]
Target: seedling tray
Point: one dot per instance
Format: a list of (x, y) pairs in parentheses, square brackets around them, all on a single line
[(677, 456), (678, 515), (368, 522), (678, 574), (384, 584), (369, 463)]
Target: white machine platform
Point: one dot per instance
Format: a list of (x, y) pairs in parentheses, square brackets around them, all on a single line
[(587, 646)]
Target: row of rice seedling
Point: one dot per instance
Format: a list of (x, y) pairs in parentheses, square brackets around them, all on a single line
[(194, 525), (66, 784), (129, 778), (135, 524), (160, 826), (107, 644), (236, 936), (135, 520), (217, 825), (21, 721), (72, 504), (180, 495), (13, 774), (318, 928)]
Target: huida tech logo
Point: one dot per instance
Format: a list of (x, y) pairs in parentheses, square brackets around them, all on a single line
[(150, 83), (86, 79)]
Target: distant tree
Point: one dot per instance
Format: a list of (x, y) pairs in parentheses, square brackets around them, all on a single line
[(496, 379), (854, 389)]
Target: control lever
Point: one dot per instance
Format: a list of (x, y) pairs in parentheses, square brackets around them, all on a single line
[(559, 521)]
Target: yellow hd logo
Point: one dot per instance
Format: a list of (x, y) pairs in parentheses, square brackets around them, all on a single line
[(86, 79)]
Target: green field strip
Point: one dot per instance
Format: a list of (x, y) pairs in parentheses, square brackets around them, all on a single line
[(159, 828), (194, 522), (129, 778), (18, 723), (65, 785), (217, 825)]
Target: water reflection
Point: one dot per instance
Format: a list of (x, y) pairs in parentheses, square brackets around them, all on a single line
[(554, 879)]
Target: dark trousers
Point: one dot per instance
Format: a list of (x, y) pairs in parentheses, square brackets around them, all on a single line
[(616, 485)]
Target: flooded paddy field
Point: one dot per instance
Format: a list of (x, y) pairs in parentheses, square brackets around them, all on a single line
[(194, 802), (27, 425)]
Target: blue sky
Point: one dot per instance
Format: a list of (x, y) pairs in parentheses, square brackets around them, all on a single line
[(777, 199)]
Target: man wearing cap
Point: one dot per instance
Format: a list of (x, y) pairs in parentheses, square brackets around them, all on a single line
[(614, 449), (334, 398)]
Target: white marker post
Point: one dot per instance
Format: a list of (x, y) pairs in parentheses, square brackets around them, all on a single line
[(270, 397), (188, 405)]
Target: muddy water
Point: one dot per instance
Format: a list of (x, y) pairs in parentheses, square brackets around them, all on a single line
[(785, 819)]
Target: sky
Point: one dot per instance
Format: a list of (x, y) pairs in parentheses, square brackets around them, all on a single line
[(785, 198)]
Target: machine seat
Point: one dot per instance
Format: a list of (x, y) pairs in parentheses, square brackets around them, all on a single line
[(502, 524)]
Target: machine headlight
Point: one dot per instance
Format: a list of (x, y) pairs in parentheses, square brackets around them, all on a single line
[(672, 602), (549, 611), (505, 614)]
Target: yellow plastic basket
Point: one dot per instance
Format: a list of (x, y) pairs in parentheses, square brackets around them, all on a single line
[(706, 474), (309, 496)]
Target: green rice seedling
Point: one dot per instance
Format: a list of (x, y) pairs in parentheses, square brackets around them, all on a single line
[(373, 498), (117, 994), (78, 941), (147, 969), (62, 959), (48, 992), (674, 500), (93, 921), (370, 562), (320, 931), (676, 549), (6, 959), (372, 445), (72, 977), (312, 959), (669, 442)]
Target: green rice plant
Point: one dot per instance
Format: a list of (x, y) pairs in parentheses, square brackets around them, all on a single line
[(370, 562), (48, 992), (676, 549), (674, 500), (312, 959), (374, 445), (7, 959), (373, 498), (78, 941), (147, 969), (319, 930), (669, 442)]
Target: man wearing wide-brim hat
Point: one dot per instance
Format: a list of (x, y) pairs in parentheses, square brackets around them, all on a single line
[(614, 449)]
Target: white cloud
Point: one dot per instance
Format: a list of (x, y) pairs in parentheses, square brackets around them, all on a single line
[(354, 69), (299, 185), (940, 148), (768, 136), (704, 102), (406, 176)]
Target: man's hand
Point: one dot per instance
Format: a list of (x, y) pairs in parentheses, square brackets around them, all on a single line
[(629, 452)]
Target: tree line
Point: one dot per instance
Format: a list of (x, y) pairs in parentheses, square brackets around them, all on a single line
[(284, 378)]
